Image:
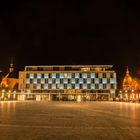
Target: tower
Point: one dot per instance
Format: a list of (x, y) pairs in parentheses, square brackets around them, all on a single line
[(127, 81), (11, 68)]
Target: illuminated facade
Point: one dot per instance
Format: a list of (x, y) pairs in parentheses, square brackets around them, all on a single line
[(68, 82), (131, 87)]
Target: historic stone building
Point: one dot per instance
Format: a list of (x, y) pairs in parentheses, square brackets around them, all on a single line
[(131, 87)]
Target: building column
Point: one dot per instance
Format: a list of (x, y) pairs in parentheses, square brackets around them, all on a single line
[(79, 98), (38, 98), (49, 97), (96, 96)]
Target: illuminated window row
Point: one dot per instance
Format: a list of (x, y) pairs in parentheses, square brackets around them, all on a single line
[(70, 75), (70, 81), (70, 86)]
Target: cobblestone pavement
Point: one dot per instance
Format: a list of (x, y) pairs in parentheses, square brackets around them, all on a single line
[(32, 120)]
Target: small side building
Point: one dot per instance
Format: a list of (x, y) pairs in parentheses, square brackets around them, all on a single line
[(131, 88)]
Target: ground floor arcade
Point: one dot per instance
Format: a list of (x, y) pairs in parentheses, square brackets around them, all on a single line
[(64, 97)]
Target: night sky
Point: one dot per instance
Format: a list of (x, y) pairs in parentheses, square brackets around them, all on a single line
[(71, 32)]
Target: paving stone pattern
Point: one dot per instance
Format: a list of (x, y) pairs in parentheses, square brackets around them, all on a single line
[(32, 120)]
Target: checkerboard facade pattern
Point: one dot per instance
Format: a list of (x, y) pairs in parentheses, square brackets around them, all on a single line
[(70, 80)]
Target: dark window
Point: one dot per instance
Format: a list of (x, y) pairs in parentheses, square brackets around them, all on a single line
[(61, 81), (50, 75), (50, 86), (31, 81), (35, 75), (46, 80), (96, 86), (84, 81), (65, 86), (104, 75), (111, 75), (57, 75), (42, 86), (108, 81), (96, 75), (73, 75), (112, 86), (38, 81), (92, 81), (53, 81), (80, 75), (73, 86), (77, 81), (27, 86), (69, 81), (27, 75), (104, 86), (81, 86), (100, 81), (88, 75), (42, 75)]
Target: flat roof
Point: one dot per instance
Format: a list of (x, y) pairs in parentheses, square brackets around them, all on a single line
[(32, 68)]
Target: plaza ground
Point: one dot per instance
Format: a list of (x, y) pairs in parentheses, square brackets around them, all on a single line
[(32, 120)]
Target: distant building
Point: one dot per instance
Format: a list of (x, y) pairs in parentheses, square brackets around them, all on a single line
[(68, 82), (9, 82), (131, 87)]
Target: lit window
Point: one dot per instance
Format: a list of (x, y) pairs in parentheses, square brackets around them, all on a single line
[(108, 75), (112, 80), (100, 86), (57, 81), (76, 75), (27, 81), (46, 86), (53, 75), (92, 86), (92, 75), (69, 75), (61, 86), (35, 81), (96, 81), (84, 75), (69, 86), (61, 75), (53, 86), (81, 81), (100, 75), (31, 76), (65, 75), (84, 86), (50, 81), (108, 86), (65, 81), (104, 81), (38, 86), (46, 76), (42, 81), (38, 75), (73, 81), (77, 86)]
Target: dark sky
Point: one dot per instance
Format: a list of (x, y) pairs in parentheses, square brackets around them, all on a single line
[(71, 32)]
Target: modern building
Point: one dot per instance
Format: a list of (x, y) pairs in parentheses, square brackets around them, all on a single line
[(67, 83)]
